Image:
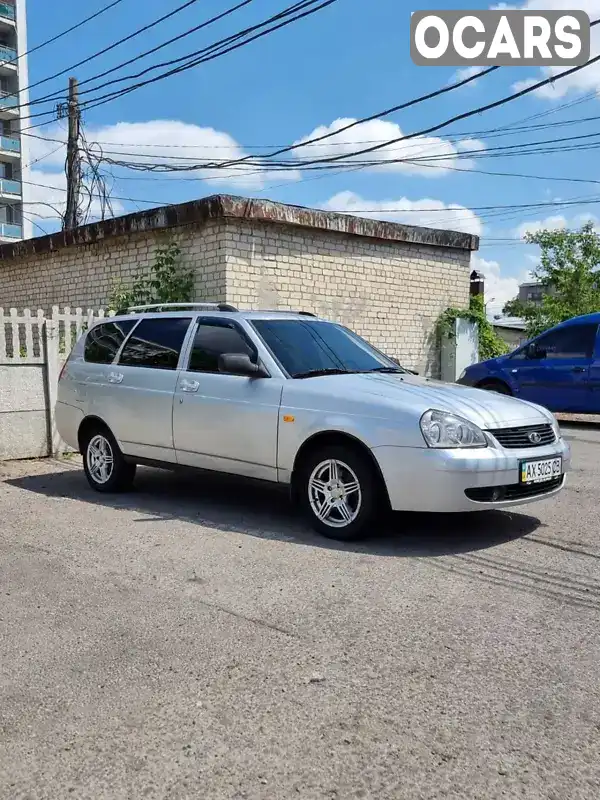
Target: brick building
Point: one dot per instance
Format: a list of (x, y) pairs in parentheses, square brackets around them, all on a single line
[(387, 281)]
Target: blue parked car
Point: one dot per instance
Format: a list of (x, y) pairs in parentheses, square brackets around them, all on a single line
[(560, 369)]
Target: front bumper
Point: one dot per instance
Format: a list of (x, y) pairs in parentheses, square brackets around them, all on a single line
[(426, 479)]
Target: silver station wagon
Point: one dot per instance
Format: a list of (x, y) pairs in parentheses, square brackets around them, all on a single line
[(293, 399)]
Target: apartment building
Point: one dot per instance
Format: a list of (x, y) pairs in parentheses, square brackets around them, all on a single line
[(532, 292), (14, 225)]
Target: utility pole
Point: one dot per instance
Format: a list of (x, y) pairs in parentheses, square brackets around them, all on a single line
[(73, 164)]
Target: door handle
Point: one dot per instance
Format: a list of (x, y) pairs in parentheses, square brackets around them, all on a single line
[(115, 377), (189, 386), (514, 371), (578, 369)]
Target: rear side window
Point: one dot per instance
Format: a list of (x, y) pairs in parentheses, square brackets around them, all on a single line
[(574, 341), (212, 340), (156, 343), (103, 341)]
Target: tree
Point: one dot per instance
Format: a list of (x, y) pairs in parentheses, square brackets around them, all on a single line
[(570, 268), (514, 308)]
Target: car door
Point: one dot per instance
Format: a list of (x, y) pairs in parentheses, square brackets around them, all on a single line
[(225, 422), (92, 390), (141, 415), (554, 370), (594, 394)]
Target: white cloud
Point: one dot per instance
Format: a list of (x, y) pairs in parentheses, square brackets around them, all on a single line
[(378, 131), (555, 222), (470, 144), (464, 73), (167, 141), (499, 288), (585, 80), (548, 92), (426, 213)]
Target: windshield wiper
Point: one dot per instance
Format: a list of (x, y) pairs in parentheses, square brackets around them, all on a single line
[(315, 373), (388, 369)]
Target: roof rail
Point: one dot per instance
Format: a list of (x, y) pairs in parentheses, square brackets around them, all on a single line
[(191, 306), (285, 311)]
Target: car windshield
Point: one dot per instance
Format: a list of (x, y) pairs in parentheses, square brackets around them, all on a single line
[(308, 348)]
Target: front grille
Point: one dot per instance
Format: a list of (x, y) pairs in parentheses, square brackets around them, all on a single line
[(515, 491), (514, 438)]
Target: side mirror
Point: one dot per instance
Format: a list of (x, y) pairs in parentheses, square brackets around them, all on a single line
[(240, 364), (535, 353)]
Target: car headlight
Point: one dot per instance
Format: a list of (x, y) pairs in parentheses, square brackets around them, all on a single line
[(462, 374), (443, 430), (555, 426)]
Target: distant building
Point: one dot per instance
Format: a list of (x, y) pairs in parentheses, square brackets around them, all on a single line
[(532, 292), (511, 330), (14, 167)]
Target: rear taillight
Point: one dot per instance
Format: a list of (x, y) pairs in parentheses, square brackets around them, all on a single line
[(64, 366)]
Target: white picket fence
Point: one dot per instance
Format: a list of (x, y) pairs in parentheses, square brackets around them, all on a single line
[(33, 348), (22, 334)]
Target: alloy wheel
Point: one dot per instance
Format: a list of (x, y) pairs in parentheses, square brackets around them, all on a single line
[(334, 493), (100, 459)]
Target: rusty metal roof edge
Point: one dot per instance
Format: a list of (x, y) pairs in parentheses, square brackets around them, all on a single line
[(282, 213), (229, 206)]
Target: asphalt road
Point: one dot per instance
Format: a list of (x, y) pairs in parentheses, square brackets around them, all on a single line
[(194, 640)]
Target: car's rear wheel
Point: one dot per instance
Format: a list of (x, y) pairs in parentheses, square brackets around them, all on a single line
[(340, 492), (104, 464), (495, 386)]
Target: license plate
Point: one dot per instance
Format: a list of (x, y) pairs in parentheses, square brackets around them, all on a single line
[(541, 470)]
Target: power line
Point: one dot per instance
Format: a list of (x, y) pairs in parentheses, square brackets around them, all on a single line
[(304, 4), (510, 206), (455, 137), (487, 208), (114, 45), (111, 96), (197, 28), (229, 39), (157, 203), (467, 114), (311, 9), (324, 164), (433, 128), (64, 33), (526, 176)]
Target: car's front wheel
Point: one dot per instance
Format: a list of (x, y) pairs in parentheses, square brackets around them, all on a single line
[(340, 492), (104, 464), (495, 386)]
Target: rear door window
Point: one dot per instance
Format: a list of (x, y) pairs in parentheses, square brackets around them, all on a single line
[(104, 341), (156, 343)]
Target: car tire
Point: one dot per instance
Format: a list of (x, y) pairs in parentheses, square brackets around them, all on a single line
[(340, 492), (495, 386), (104, 464)]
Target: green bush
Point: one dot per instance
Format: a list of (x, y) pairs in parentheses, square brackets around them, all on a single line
[(166, 282), (490, 344)]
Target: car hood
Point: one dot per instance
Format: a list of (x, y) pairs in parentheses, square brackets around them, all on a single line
[(412, 393)]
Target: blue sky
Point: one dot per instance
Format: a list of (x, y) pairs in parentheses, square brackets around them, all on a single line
[(347, 61)]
